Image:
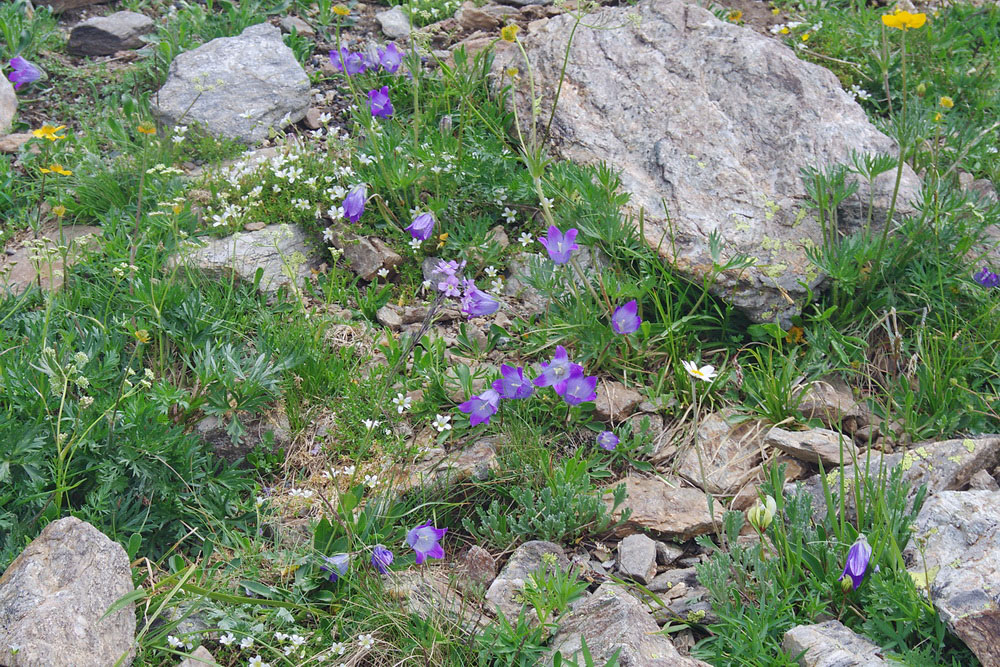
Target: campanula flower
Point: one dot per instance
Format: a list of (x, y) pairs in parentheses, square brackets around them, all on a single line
[(560, 246), (477, 303), (512, 384), (350, 63), (625, 319), (557, 370), (857, 561), (390, 58), (607, 440), (354, 203), (577, 388), (381, 558), (378, 102), (336, 565), (480, 408), (986, 278), (24, 72), (422, 226), (425, 540)]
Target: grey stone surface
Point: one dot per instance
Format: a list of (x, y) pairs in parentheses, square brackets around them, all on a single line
[(53, 595), (615, 401), (717, 121), (300, 26), (960, 562), (831, 402), (429, 595), (437, 468), (394, 22), (831, 644), (637, 558), (11, 143), (365, 255), (662, 510), (476, 570), (814, 445), (667, 553), (503, 594), (281, 251), (200, 657), (730, 453), (8, 104), (106, 35), (237, 87), (611, 619), (50, 271)]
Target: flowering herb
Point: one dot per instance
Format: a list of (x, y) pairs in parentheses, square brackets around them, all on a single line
[(49, 132), (857, 562), (706, 373), (625, 320), (381, 558), (55, 169), (341, 10), (446, 277), (422, 226), (336, 565), (24, 72), (480, 408), (761, 514), (354, 203), (347, 62), (390, 58), (946, 102), (577, 388), (512, 384), (607, 440), (986, 278), (477, 303), (560, 246), (903, 20), (508, 33), (378, 102), (557, 370), (425, 541)]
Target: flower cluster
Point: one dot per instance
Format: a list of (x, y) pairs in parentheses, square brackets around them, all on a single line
[(447, 278), (389, 59), (986, 278)]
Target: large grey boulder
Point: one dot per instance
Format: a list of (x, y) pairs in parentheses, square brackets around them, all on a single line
[(236, 87), (53, 597), (955, 552), (106, 35), (831, 644), (715, 121), (8, 104)]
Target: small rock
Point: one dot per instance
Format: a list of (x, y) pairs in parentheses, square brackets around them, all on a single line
[(504, 593), (477, 569), (983, 481), (476, 461), (831, 402), (615, 401), (474, 18), (80, 239), (814, 445), (663, 510), (395, 24), (8, 104), (106, 35), (198, 658), (254, 226), (831, 644), (428, 595), (729, 453), (11, 143), (524, 3), (295, 24), (667, 553), (54, 595), (311, 119), (637, 558), (499, 236), (666, 581), (985, 189), (366, 254), (388, 316)]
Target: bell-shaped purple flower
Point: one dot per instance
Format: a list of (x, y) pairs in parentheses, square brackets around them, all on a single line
[(425, 541), (577, 388), (481, 408), (512, 383), (338, 59), (378, 102), (336, 565), (381, 558), (607, 440), (422, 226), (857, 561), (390, 58), (986, 278), (557, 370), (560, 246), (625, 320), (345, 61), (354, 203), (477, 303), (24, 72)]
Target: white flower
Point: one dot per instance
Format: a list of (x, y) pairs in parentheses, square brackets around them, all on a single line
[(442, 423), (497, 285), (525, 239), (248, 113), (371, 481), (370, 423), (328, 235), (365, 159), (297, 640), (426, 285), (706, 373), (547, 201), (246, 642), (280, 636), (510, 214), (383, 272), (415, 244), (324, 118), (259, 501), (402, 403), (366, 641), (338, 648), (349, 470), (490, 271), (227, 639), (257, 661), (174, 641)]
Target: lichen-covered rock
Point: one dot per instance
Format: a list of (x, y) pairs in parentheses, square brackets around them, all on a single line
[(662, 509), (831, 644), (503, 594), (730, 453), (106, 35), (716, 121)]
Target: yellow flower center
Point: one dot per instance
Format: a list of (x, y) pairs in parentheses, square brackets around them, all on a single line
[(508, 33)]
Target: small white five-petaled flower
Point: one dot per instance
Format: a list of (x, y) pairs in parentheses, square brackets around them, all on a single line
[(442, 423), (402, 403), (706, 373)]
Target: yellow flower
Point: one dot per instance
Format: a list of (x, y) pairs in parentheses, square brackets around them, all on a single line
[(142, 336), (938, 117), (147, 128), (904, 20), (341, 10), (805, 37), (442, 239), (55, 169), (49, 132), (511, 72), (59, 211), (508, 33), (775, 11), (795, 335), (735, 15), (946, 102), (785, 30)]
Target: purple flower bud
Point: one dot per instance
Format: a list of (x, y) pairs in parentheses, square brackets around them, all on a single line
[(577, 388), (625, 319), (354, 203), (425, 541), (477, 303), (390, 58), (560, 246), (355, 63), (422, 226), (986, 278), (557, 370), (607, 440), (24, 72), (336, 565), (513, 384), (378, 102), (339, 59), (381, 558), (481, 408), (857, 562)]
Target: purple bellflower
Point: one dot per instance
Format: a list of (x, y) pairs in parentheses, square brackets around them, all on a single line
[(422, 226), (857, 562), (557, 370), (577, 388), (446, 277), (477, 303), (625, 320), (481, 408), (350, 63), (425, 540), (560, 246), (607, 440), (24, 72), (513, 384), (354, 203), (381, 558), (378, 102), (390, 58), (336, 565), (986, 278)]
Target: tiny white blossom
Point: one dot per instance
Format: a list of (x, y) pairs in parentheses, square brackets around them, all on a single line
[(510, 214), (366, 641), (349, 470), (371, 481), (525, 239), (490, 271), (706, 373), (415, 244), (402, 403), (370, 423), (227, 639), (497, 285), (174, 641), (383, 272), (442, 423), (338, 648), (246, 642)]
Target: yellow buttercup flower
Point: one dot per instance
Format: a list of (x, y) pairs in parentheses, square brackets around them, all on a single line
[(775, 11), (49, 132), (147, 128), (785, 30), (508, 33), (735, 15), (55, 169), (441, 239), (946, 102), (341, 10), (904, 20), (142, 336), (59, 210), (805, 37)]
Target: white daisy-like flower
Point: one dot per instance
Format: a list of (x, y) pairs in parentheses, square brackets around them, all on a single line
[(370, 423), (402, 403), (227, 639), (259, 501), (324, 118), (338, 648), (415, 244), (706, 373), (349, 470), (246, 642), (490, 271), (383, 272), (497, 285), (442, 423), (257, 661), (297, 640), (366, 641), (371, 481), (174, 641), (509, 214), (426, 285)]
